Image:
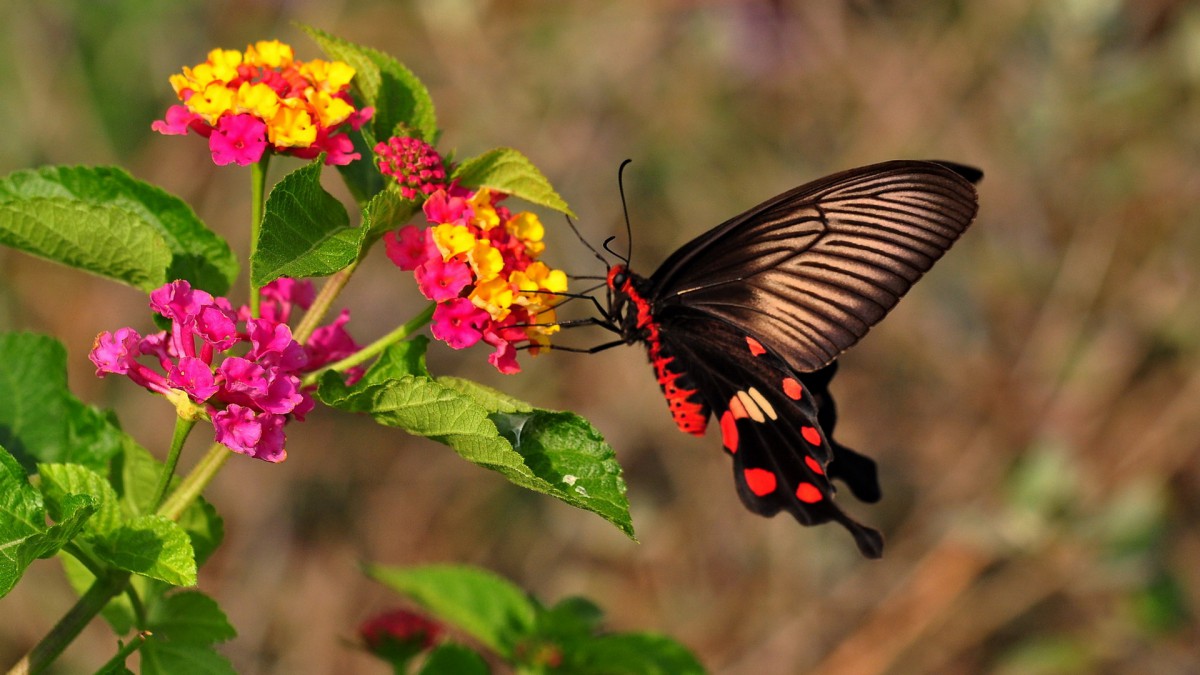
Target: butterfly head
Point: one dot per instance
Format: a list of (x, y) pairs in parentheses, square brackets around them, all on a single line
[(628, 306)]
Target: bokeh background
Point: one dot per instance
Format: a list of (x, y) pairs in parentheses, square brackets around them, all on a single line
[(1034, 404)]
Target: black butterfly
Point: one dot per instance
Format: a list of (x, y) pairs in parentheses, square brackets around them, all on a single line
[(745, 321)]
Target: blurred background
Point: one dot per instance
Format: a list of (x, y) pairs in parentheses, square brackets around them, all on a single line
[(1034, 403)]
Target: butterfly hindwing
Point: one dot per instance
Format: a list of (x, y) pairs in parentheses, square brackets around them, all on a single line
[(770, 423), (810, 271)]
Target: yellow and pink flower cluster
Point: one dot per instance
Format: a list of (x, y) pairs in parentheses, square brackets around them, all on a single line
[(478, 261), (245, 103)]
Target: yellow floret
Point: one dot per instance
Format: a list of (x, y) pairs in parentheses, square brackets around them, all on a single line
[(269, 54), (212, 102), (258, 99), (292, 126), (330, 110), (329, 76), (494, 296), (486, 261), (224, 63), (452, 239)]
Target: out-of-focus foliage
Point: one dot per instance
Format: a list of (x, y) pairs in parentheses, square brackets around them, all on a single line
[(1032, 402)]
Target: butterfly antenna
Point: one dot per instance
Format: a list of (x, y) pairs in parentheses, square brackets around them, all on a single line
[(625, 208), (591, 248)]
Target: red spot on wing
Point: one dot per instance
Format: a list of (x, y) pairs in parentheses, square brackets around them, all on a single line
[(756, 347), (760, 481), (814, 466), (811, 435), (792, 388), (729, 432), (808, 493)]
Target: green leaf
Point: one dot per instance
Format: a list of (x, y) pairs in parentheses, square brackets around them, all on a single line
[(24, 536), (507, 170), (398, 96), (305, 232), (40, 421), (153, 546), (204, 527), (572, 617), (137, 472), (554, 453), (102, 220), (629, 654), (568, 455), (162, 657), (191, 617), (454, 659), (385, 212), (485, 606), (59, 482)]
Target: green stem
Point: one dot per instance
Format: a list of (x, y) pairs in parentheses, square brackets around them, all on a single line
[(375, 348), (321, 303), (102, 590), (258, 191), (194, 483), (182, 428), (125, 651)]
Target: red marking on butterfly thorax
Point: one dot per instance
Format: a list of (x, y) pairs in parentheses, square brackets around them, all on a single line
[(638, 325)]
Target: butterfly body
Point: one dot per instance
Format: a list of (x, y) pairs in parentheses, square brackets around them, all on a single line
[(745, 322)]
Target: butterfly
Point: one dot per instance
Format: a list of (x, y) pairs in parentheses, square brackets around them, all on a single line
[(744, 323)]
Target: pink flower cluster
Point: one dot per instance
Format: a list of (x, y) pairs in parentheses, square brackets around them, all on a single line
[(247, 102), (414, 164), (249, 398), (401, 628), (478, 262)]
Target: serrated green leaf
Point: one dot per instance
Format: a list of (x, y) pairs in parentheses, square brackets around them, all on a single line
[(161, 657), (191, 617), (24, 536), (397, 95), (305, 231), (629, 654), (59, 482), (555, 453), (385, 212), (398, 360), (492, 399), (485, 606), (104, 240), (137, 473), (40, 420), (150, 545), (507, 170), (103, 220), (454, 659), (204, 527), (561, 448)]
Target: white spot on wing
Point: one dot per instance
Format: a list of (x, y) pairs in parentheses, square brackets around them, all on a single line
[(767, 408), (751, 406)]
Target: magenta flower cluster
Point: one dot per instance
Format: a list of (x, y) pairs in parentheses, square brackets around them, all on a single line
[(414, 164), (248, 397)]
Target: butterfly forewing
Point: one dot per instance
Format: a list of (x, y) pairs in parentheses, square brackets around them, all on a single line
[(810, 271)]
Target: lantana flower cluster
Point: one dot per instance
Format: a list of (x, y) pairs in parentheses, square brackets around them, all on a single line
[(244, 371), (478, 261), (247, 102)]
